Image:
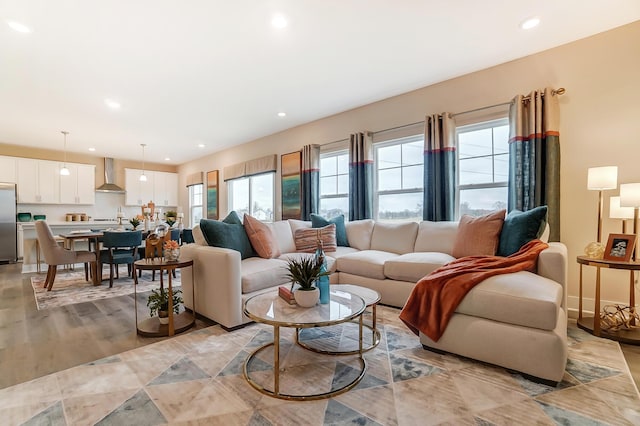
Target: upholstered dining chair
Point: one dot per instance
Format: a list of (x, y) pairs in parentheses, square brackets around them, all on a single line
[(119, 247), (55, 255)]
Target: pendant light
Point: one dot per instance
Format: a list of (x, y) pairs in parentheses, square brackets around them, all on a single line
[(143, 177), (64, 171)]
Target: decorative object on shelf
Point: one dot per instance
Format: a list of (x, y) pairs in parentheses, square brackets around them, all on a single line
[(171, 251), (601, 179), (143, 177), (286, 294), (617, 317), (212, 195), (304, 272), (618, 212), (64, 171), (24, 217), (619, 247), (158, 302), (39, 217), (135, 221), (630, 197), (594, 250)]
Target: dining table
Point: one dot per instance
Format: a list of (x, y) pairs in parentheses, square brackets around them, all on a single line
[(94, 236)]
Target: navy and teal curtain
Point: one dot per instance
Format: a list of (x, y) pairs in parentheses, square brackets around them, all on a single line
[(440, 175), (534, 155), (310, 185), (360, 176)]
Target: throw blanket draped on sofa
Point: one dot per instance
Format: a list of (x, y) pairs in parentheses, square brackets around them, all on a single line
[(435, 297)]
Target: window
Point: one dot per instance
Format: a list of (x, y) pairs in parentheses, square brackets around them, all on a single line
[(334, 184), (399, 179), (483, 167), (253, 195), (195, 204)]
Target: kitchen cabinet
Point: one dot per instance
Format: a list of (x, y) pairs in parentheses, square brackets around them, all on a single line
[(38, 181), (78, 187), (8, 169), (165, 189), (137, 192)]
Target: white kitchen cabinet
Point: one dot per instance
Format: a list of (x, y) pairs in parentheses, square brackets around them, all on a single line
[(8, 169), (165, 189), (137, 192), (78, 186), (38, 181)]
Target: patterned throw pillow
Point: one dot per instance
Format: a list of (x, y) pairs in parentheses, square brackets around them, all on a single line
[(307, 238), (261, 236), (478, 235)]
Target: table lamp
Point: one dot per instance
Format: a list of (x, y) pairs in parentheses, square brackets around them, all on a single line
[(601, 179), (617, 212), (630, 197)]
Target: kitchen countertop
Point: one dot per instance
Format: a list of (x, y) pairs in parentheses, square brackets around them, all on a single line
[(79, 223)]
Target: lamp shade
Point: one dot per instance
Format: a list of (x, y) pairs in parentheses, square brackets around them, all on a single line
[(601, 178), (630, 195), (617, 212)]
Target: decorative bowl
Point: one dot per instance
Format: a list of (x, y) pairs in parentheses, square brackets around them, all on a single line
[(39, 217), (24, 217)]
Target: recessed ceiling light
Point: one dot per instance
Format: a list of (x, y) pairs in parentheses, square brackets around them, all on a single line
[(279, 21), (92, 149), (200, 145), (282, 114), (112, 104), (17, 26), (167, 159), (530, 23)]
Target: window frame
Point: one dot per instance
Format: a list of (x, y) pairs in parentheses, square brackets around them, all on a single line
[(479, 125), (249, 180), (337, 195), (193, 206)]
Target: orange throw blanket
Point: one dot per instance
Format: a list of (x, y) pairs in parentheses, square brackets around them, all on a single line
[(435, 297)]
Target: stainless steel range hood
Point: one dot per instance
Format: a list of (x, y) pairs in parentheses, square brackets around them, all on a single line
[(109, 178)]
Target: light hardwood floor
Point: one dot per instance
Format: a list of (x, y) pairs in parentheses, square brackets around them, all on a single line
[(36, 343)]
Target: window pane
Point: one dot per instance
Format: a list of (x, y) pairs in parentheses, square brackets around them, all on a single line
[(262, 196), (478, 202), (343, 184), (400, 207), (412, 177), (343, 164), (501, 163), (327, 185), (332, 207), (389, 156), (476, 143), (328, 166), (412, 153), (239, 190), (501, 139), (475, 170), (389, 179)]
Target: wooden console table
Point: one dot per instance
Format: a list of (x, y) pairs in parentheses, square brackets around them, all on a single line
[(592, 323)]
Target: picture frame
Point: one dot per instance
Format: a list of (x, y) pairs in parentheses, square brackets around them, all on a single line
[(291, 176), (620, 247), (212, 195)]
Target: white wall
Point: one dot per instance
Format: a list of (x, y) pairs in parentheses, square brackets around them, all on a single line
[(599, 116)]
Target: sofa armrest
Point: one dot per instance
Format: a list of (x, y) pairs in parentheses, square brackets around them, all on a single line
[(218, 280), (553, 264)]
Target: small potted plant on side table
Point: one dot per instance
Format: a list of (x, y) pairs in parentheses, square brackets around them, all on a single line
[(158, 302), (305, 272)]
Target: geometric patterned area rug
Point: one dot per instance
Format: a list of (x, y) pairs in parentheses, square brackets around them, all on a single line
[(70, 287), (196, 378)]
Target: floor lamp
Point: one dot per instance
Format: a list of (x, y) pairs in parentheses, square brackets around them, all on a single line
[(601, 179), (617, 212), (630, 197)]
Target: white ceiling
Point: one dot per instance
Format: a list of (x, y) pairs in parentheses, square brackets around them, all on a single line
[(217, 72)]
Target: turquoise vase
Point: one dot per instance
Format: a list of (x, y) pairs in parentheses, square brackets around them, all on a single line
[(323, 281)]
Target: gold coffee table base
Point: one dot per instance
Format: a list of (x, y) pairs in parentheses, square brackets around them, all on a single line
[(375, 340)]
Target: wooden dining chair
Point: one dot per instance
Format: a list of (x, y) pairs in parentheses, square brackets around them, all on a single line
[(55, 255), (119, 247)]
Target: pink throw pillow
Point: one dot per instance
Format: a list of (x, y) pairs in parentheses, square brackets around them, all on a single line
[(261, 238), (478, 235)]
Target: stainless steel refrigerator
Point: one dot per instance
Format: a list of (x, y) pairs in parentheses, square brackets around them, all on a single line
[(8, 230)]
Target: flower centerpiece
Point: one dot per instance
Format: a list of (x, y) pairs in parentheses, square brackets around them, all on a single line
[(158, 302), (135, 221), (304, 272), (171, 251)]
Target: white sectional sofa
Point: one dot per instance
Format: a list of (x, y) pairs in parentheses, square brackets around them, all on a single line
[(516, 320)]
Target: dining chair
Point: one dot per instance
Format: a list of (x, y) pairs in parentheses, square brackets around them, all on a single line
[(119, 247), (56, 255)]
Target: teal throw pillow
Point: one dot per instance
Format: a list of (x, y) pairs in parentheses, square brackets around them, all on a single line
[(341, 232), (521, 227), (228, 233)]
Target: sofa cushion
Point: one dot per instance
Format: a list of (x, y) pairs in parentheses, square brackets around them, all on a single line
[(306, 239), (359, 233), (520, 298), (284, 237), (366, 263), (436, 237), (521, 227), (397, 238), (331, 262), (228, 233), (341, 251), (258, 273), (478, 235), (413, 266), (261, 237), (297, 224), (318, 221), (198, 236)]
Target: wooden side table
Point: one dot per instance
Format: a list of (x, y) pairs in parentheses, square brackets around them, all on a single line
[(592, 323), (183, 321)]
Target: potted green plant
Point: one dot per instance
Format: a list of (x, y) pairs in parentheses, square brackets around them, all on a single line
[(158, 302), (304, 272), (170, 217)]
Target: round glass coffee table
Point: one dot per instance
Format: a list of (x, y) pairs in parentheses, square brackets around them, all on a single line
[(269, 308)]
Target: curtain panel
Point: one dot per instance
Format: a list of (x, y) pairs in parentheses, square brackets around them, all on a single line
[(195, 179), (310, 184), (440, 177), (534, 155), (360, 176)]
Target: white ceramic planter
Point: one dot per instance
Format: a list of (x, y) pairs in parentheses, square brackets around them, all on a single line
[(307, 298)]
